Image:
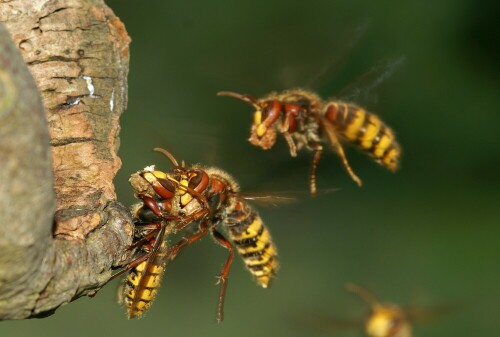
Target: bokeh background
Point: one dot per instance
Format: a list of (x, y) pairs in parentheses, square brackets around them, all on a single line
[(425, 236)]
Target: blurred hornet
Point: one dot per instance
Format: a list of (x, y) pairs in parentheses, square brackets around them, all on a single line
[(306, 121), (385, 320), (390, 320), (205, 197)]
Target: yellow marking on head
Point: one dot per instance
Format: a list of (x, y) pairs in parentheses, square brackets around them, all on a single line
[(184, 182), (352, 130), (261, 130), (385, 140), (185, 197), (257, 117), (160, 174), (149, 176), (371, 131)]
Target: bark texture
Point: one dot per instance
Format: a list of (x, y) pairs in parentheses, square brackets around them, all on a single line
[(77, 52)]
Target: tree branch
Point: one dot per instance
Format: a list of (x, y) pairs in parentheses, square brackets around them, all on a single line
[(77, 52)]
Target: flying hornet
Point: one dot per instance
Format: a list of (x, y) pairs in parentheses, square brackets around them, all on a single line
[(383, 320), (306, 121), (206, 197), (391, 320)]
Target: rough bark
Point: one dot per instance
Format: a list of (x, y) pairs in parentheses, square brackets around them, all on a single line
[(77, 53)]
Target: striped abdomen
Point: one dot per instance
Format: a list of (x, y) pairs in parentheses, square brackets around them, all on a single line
[(142, 283), (366, 130), (253, 242)]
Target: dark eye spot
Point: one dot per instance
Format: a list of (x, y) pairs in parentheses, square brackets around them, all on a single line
[(265, 111), (195, 180), (167, 184)]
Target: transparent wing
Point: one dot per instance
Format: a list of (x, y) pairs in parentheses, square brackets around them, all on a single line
[(362, 89), (345, 44), (424, 315), (120, 292), (276, 199)]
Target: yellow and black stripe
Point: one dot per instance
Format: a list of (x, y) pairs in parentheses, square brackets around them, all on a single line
[(253, 242), (365, 130), (142, 283)]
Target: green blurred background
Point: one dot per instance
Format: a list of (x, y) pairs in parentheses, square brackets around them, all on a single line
[(425, 236)]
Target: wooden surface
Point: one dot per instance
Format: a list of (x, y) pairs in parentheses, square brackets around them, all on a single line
[(60, 223)]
